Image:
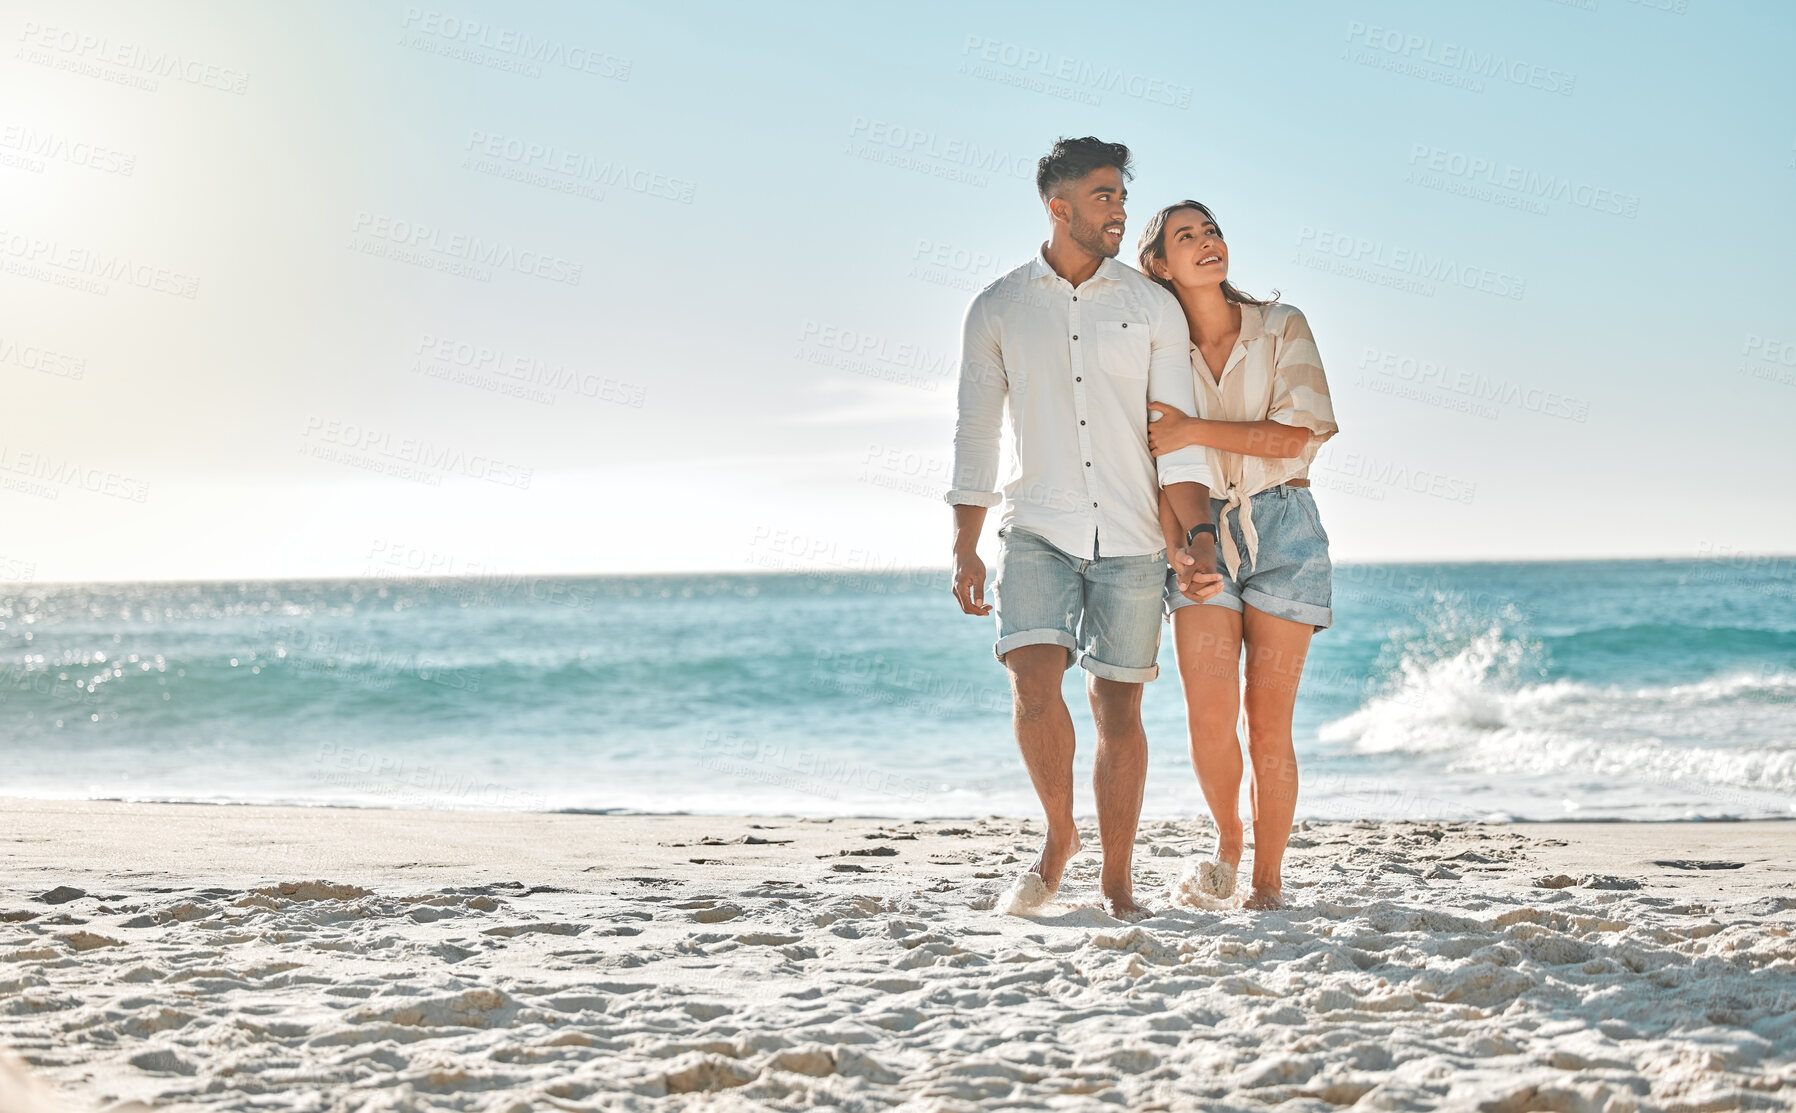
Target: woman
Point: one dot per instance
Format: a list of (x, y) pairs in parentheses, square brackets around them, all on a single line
[(1263, 410)]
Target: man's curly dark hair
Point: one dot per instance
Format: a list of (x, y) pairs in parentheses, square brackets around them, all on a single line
[(1072, 159)]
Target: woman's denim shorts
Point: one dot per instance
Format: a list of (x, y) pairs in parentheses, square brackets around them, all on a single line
[(1291, 576)]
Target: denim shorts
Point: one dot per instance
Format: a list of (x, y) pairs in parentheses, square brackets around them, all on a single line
[(1290, 578), (1106, 612)]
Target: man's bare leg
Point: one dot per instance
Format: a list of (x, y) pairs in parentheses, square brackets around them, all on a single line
[(1044, 734), (1118, 779), (1276, 648)]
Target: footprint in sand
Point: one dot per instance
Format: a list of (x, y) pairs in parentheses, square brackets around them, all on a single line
[(1606, 881)]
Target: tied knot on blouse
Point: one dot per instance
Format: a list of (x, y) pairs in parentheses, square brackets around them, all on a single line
[(1273, 373)]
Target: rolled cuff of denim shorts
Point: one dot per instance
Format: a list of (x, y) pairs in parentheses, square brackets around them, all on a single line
[(1289, 609), (1036, 637), (1174, 599), (1116, 672)]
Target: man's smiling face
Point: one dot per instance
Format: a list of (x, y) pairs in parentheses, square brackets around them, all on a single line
[(1094, 211)]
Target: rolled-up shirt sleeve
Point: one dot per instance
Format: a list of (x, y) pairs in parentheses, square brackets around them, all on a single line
[(1300, 395), (977, 426), (1169, 382)]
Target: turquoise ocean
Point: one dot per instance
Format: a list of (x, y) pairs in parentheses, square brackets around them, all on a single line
[(1515, 691)]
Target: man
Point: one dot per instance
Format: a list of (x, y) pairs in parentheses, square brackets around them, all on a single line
[(1077, 345)]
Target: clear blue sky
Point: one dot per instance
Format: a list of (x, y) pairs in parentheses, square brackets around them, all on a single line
[(776, 214)]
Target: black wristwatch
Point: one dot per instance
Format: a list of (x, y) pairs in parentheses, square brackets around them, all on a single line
[(1201, 527)]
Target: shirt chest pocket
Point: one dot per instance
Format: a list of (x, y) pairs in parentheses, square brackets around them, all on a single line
[(1122, 349)]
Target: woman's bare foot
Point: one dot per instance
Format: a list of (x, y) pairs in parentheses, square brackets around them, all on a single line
[(1265, 898), (1216, 877), (1229, 844)]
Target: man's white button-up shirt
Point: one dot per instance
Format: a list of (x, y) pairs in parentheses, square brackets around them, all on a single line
[(1077, 368)]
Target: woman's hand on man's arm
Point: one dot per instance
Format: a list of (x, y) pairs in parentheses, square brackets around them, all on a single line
[(1176, 430)]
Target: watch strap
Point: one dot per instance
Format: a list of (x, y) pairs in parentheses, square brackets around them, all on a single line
[(1201, 527)]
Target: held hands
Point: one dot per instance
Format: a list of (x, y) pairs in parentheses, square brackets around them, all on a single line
[(1194, 567), (969, 583), (1172, 432)]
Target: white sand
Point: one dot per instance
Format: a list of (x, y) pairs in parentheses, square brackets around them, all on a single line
[(331, 959)]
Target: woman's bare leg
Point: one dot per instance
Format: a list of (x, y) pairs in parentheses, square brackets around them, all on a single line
[(1275, 649), (1207, 644)]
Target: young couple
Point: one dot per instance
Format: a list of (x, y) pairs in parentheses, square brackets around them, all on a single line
[(1112, 523)]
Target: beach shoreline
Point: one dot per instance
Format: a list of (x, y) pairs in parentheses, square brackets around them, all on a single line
[(246, 956)]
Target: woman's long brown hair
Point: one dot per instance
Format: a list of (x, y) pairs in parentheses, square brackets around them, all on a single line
[(1153, 250)]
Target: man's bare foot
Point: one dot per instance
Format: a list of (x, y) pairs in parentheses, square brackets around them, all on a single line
[(1037, 885), (1125, 909), (1265, 898), (1027, 895), (1056, 851)]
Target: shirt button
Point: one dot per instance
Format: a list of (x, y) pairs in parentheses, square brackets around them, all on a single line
[(1094, 504), (1078, 378), (1088, 463), (1081, 423), (1075, 297), (1075, 336), (1125, 324)]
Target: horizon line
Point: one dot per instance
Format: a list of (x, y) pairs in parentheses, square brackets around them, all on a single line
[(423, 578)]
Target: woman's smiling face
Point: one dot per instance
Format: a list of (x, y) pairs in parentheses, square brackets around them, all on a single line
[(1195, 252)]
